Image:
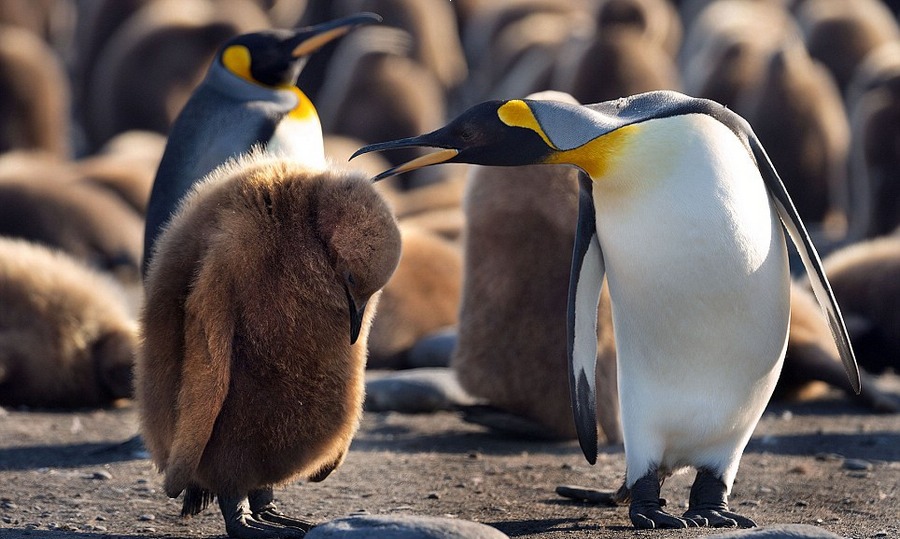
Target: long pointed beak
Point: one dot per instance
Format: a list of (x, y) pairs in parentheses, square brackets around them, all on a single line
[(356, 316), (439, 155), (311, 39)]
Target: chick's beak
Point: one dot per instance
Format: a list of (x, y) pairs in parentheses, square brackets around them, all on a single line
[(356, 316), (438, 155), (309, 40)]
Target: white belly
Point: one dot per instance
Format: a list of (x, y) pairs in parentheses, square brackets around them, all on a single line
[(698, 277), (300, 140)]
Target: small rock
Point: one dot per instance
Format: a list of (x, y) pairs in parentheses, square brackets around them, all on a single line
[(829, 457), (857, 464), (880, 534), (800, 469), (146, 517), (403, 527), (433, 350), (434, 496), (102, 475), (415, 391), (7, 505), (801, 503), (779, 531)]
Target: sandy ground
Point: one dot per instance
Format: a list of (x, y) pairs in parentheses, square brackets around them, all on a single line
[(68, 475)]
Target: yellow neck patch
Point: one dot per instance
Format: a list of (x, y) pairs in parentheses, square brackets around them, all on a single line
[(305, 110), (596, 156), (236, 59), (516, 113)]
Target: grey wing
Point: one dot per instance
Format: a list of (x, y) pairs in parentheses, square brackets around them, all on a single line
[(816, 274), (585, 281)]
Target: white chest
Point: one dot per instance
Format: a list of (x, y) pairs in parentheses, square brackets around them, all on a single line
[(299, 139)]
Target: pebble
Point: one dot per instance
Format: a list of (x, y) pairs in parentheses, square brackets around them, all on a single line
[(433, 350), (102, 475), (779, 531), (403, 527), (415, 391), (146, 517), (829, 457), (8, 505), (857, 464)]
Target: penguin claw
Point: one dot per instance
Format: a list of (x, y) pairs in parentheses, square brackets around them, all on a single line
[(248, 527), (659, 519), (277, 517), (720, 518)]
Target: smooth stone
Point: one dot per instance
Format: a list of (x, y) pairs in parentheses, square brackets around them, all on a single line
[(414, 391), (857, 464), (403, 527), (779, 531), (433, 350)]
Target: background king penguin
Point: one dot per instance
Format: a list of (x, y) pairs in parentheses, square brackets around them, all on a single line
[(679, 210), (248, 98)]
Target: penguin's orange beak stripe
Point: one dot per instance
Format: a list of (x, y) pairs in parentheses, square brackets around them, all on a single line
[(433, 158), (318, 41)]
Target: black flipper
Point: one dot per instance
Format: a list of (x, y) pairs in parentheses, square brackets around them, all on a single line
[(585, 281), (816, 274)]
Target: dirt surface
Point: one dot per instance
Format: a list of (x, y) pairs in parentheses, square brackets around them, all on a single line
[(68, 475)]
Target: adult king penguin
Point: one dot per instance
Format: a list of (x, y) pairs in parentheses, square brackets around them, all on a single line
[(679, 209), (248, 98)]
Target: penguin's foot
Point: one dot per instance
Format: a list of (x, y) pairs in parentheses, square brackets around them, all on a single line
[(241, 523), (262, 506), (646, 507), (709, 502)]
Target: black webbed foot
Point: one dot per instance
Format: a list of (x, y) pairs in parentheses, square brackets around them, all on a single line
[(710, 502), (241, 523), (646, 507)]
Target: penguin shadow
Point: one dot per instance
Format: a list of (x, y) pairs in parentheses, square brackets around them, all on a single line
[(386, 436), (60, 534), (67, 456), (870, 446)]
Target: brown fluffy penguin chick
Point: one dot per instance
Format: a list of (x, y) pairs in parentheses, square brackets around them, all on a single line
[(798, 114), (874, 150), (66, 339), (252, 365), (41, 201), (34, 109), (151, 64), (865, 278), (421, 298), (812, 362), (840, 33), (512, 323)]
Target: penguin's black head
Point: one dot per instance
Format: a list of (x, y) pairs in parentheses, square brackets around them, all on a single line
[(486, 134), (276, 57)]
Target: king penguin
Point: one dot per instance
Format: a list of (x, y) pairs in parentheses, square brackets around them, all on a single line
[(248, 98), (679, 209)]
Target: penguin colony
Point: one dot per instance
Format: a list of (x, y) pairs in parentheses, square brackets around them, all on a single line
[(86, 188)]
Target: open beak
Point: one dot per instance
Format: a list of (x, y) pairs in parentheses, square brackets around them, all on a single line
[(313, 38), (356, 316), (439, 155)]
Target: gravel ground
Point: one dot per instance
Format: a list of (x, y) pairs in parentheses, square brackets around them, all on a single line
[(827, 463)]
